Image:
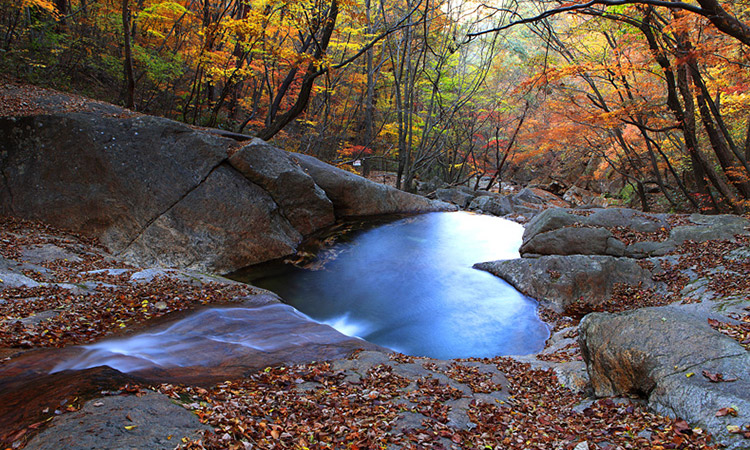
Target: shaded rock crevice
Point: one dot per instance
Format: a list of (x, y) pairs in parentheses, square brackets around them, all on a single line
[(166, 210), (225, 223), (8, 190)]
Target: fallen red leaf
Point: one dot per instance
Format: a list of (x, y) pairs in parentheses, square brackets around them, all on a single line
[(682, 427), (728, 411), (716, 377)]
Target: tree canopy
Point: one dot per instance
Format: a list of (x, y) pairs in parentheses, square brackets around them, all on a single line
[(644, 101)]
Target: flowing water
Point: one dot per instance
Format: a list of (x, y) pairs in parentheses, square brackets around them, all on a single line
[(410, 286)]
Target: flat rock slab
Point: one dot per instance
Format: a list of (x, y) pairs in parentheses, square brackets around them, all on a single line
[(149, 421), (11, 279), (559, 281), (47, 253)]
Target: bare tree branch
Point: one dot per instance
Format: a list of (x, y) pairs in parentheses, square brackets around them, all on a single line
[(710, 9)]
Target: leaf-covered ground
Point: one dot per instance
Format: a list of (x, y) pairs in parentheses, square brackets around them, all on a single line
[(317, 407), (399, 402), (78, 299)]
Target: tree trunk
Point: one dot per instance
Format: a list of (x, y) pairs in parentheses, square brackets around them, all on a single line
[(129, 93), (308, 80)]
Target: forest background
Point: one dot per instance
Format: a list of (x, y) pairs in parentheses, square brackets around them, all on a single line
[(646, 102)]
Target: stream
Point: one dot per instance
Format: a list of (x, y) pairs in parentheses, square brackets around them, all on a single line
[(409, 286), (406, 285)]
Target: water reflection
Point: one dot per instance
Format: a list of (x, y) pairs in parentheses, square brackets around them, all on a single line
[(410, 286)]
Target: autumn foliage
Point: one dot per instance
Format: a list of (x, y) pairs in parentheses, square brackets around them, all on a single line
[(645, 104)]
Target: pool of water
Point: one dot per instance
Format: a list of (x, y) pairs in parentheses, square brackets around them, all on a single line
[(410, 286)]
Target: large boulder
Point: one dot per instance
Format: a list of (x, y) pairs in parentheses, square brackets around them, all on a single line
[(498, 205), (548, 220), (574, 241), (652, 352), (527, 202), (353, 195), (100, 174), (224, 224), (455, 195), (561, 282), (628, 218), (302, 202), (161, 193)]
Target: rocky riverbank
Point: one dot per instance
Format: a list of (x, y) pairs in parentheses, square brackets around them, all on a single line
[(62, 289), (665, 301), (158, 192)]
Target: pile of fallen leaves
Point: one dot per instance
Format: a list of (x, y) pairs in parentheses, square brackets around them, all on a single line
[(268, 410), (97, 303), (570, 352), (19, 99), (478, 381), (629, 236), (82, 318), (624, 297), (557, 320), (703, 258), (739, 331), (312, 407)]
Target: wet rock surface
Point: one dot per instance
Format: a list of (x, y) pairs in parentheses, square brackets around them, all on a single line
[(57, 289)]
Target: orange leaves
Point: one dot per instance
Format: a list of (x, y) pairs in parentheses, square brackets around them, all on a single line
[(354, 151)]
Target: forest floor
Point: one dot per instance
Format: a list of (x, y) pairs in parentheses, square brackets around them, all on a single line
[(371, 400)]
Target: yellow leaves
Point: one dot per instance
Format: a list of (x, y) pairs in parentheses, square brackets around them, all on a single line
[(390, 130), (155, 34), (163, 11), (44, 5), (247, 29)]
